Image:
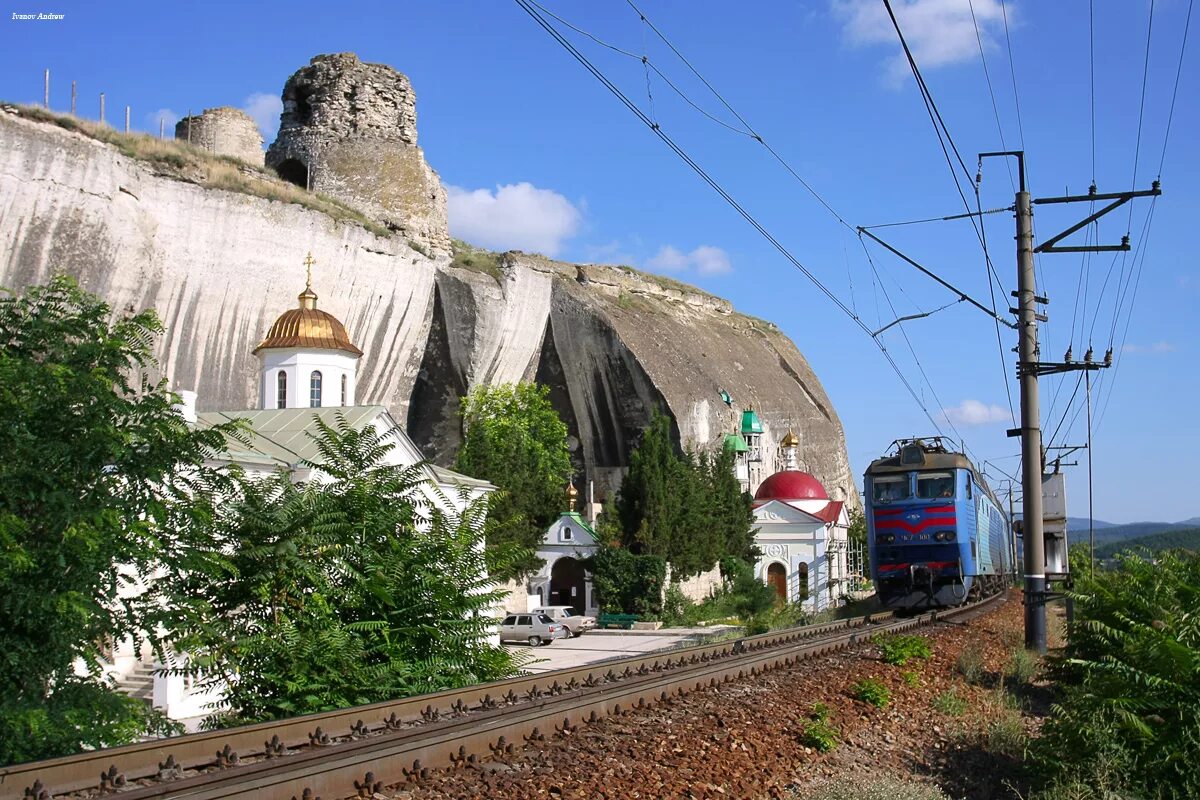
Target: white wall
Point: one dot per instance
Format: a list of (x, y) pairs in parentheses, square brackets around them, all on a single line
[(299, 365)]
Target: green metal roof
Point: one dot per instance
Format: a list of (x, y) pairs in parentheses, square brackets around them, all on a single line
[(284, 437), (750, 422), (735, 442), (581, 522)]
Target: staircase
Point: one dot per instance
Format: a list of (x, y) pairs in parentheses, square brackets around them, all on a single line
[(139, 683)]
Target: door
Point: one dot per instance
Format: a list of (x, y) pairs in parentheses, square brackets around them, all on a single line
[(567, 584), (777, 580)]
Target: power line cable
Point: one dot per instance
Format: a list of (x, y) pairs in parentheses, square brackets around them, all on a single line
[(749, 128), (1175, 92), (995, 108), (937, 219), (1013, 72), (529, 7)]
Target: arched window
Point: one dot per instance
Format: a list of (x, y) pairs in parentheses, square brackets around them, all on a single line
[(314, 389), (344, 390), (802, 581), (281, 390)]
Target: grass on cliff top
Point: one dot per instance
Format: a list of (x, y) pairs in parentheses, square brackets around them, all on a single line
[(477, 259), (212, 171)]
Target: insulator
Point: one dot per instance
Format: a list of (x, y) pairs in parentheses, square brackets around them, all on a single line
[(1067, 357), (1087, 357), (1108, 358)]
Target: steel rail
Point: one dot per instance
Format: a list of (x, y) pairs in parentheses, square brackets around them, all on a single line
[(261, 760)]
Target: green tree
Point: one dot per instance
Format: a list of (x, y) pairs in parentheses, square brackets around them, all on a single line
[(688, 508), (513, 437), (304, 597), (731, 508), (96, 476), (856, 536)]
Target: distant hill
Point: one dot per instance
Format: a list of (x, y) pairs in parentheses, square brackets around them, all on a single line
[(1077, 529), (1176, 537), (1081, 524)]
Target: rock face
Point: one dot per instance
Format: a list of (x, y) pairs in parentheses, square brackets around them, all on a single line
[(219, 266), (614, 345), (224, 131), (349, 130)]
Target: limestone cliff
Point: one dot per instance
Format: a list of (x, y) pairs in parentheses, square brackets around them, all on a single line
[(220, 265)]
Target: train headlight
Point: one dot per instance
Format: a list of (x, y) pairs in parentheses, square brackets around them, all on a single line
[(944, 536)]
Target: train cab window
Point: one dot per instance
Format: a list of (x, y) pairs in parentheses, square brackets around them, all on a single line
[(890, 489), (932, 485), (969, 495)]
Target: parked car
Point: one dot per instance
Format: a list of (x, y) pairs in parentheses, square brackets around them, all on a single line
[(533, 628), (577, 624)]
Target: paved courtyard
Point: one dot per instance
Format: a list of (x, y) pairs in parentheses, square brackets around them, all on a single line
[(605, 645)]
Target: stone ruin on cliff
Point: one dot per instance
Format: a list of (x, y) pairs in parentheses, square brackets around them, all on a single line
[(349, 130)]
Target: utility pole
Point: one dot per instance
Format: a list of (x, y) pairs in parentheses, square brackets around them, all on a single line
[(1030, 368), (1031, 431), (46, 93)]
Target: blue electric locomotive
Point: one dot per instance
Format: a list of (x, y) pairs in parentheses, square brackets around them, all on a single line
[(935, 532)]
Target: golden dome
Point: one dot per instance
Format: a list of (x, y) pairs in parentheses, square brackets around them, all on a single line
[(790, 440), (308, 327)]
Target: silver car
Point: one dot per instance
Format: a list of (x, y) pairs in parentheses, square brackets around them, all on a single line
[(576, 624), (532, 628)]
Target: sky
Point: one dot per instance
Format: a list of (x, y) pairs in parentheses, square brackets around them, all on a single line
[(536, 154)]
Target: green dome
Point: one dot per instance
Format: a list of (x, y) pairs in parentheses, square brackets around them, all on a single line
[(750, 422)]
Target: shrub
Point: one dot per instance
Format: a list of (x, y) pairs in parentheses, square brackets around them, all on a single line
[(627, 583), (1130, 681), (1022, 665), (871, 691), (899, 649), (970, 663), (950, 704), (817, 733), (1004, 733), (910, 678)]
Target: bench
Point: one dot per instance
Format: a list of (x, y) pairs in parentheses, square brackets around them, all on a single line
[(616, 621)]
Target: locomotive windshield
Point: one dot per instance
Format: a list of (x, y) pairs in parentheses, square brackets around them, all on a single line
[(931, 485), (890, 489)]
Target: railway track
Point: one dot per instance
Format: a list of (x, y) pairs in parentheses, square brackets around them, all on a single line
[(352, 752)]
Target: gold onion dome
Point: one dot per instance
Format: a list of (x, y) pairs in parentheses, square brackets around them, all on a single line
[(308, 327), (791, 440)]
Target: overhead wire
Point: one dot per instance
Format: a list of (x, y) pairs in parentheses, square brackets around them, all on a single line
[(531, 9)]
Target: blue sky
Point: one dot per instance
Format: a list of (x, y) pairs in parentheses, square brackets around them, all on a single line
[(538, 155)]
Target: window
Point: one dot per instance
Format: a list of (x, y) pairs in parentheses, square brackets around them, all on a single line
[(567, 534), (932, 485), (890, 489), (509, 621), (969, 482), (542, 618), (524, 620), (281, 390), (314, 389), (344, 395)]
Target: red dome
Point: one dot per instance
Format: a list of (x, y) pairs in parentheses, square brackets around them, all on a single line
[(791, 485)]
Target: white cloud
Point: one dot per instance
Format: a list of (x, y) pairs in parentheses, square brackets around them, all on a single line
[(517, 216), (973, 412), (265, 109), (705, 259), (939, 32), (168, 119), (668, 259), (1153, 349)]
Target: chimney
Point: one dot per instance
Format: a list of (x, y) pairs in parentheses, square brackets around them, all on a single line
[(186, 407)]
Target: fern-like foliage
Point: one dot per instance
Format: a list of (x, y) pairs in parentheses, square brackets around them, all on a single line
[(358, 588), (1131, 672)]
